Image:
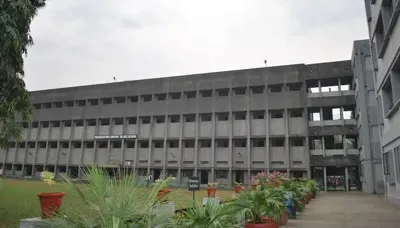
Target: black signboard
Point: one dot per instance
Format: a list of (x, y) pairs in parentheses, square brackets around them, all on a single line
[(194, 184)]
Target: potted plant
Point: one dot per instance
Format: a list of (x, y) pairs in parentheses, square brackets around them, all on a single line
[(163, 185), (211, 189), (110, 203), (258, 209), (238, 187), (50, 202)]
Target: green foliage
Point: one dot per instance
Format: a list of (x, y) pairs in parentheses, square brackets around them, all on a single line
[(252, 206), (209, 216), (114, 204), (15, 20)]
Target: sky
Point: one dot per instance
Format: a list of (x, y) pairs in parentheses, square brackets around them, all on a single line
[(83, 42)]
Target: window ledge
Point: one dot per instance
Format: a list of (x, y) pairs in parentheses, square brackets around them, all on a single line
[(393, 110), (392, 24)]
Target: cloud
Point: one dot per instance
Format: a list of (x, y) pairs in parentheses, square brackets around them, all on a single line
[(92, 41)]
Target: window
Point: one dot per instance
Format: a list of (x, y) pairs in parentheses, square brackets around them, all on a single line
[(222, 143), (159, 119), (160, 97), (37, 106), (69, 103), (206, 93), (239, 91), (205, 117), (93, 102), (89, 145), (119, 100), (78, 123), (240, 115), (333, 142), (118, 121), (189, 118), (222, 92), (47, 105), (106, 101), (296, 113), (146, 98), (42, 145), (257, 89), (315, 143), (145, 120), (133, 99), (104, 122), (312, 86), (348, 113), (45, 124), (258, 115), (158, 144), (24, 124), (55, 124), (173, 144), (174, 119), (53, 145), (102, 145), (57, 104), (387, 93), (187, 173), (130, 144), (276, 114), (294, 86), (221, 174), (190, 94), (275, 88), (80, 103), (67, 123), (91, 122), (397, 162), (205, 143), (223, 116), (297, 142), (351, 142), (175, 96), (259, 143), (240, 142), (76, 145), (297, 162), (189, 143), (314, 114), (131, 120), (144, 144), (21, 145), (65, 145), (277, 163), (35, 124), (278, 142), (128, 162), (116, 144), (12, 145)]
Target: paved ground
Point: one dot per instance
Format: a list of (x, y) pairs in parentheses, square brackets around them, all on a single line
[(347, 209)]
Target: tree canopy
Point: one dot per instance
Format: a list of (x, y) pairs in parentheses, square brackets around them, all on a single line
[(15, 37)]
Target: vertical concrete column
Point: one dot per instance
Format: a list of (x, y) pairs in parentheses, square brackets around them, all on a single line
[(341, 116), (267, 162), (150, 149), (344, 145), (17, 150), (71, 134), (319, 86), (339, 84), (58, 148), (82, 147), (321, 113), (325, 182), (287, 147), (179, 176), (346, 177), (196, 134), (248, 126), (36, 149), (230, 144), (47, 145), (323, 146), (166, 125), (124, 132), (213, 118), (109, 154), (307, 144), (135, 162)]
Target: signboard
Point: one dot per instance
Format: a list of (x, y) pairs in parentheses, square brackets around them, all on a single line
[(194, 184), (115, 137)]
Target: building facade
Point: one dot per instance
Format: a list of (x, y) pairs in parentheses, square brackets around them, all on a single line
[(221, 127), (367, 119), (384, 32)]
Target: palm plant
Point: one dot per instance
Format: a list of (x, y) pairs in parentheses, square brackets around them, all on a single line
[(111, 203), (254, 206), (295, 188), (211, 215)]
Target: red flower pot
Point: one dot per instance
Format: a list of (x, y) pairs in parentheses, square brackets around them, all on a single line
[(262, 225), (50, 203), (238, 189), (284, 218), (270, 222), (211, 192)]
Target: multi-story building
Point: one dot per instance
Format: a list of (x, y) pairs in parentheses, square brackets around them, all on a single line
[(384, 32), (367, 119), (221, 126)]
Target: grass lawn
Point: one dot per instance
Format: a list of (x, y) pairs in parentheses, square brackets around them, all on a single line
[(18, 199)]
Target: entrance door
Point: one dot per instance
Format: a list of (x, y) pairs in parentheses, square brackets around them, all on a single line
[(335, 179), (203, 177), (318, 175), (239, 177), (157, 173)]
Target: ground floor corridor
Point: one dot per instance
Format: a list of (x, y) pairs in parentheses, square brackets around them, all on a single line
[(347, 210)]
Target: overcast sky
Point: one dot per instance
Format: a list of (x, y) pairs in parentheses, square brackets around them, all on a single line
[(80, 42)]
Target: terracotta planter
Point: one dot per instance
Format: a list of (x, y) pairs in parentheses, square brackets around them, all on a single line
[(313, 195), (50, 203), (276, 184), (163, 192), (238, 189), (211, 192), (254, 186), (263, 225), (284, 218), (271, 222)]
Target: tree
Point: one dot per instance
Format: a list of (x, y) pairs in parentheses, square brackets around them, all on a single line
[(15, 20)]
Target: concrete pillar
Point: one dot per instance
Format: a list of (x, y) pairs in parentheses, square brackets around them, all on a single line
[(319, 86), (339, 85), (325, 182), (346, 177)]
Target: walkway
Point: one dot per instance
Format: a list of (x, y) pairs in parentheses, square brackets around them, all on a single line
[(347, 210)]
